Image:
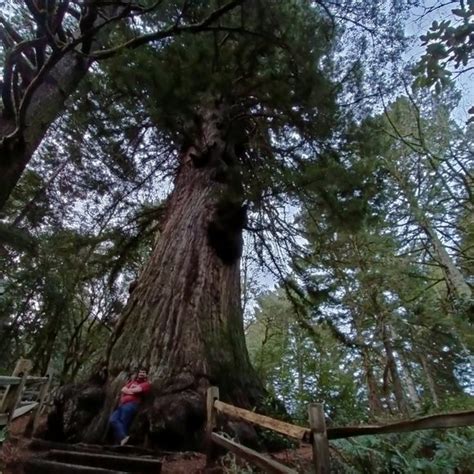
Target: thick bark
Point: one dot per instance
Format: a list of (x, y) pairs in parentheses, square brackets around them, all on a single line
[(183, 320), (186, 304)]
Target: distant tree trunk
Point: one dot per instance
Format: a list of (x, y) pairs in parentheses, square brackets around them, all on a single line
[(375, 404), (373, 392), (42, 350), (454, 279), (406, 376), (410, 384), (429, 380), (183, 320), (392, 367), (299, 364), (47, 103)]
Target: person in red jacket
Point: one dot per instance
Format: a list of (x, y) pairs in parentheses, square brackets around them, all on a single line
[(131, 396)]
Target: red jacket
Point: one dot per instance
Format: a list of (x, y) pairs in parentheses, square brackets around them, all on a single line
[(136, 397)]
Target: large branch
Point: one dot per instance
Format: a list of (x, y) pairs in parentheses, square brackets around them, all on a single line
[(87, 36), (171, 31), (43, 98)]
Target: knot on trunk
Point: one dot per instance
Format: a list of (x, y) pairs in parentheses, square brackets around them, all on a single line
[(224, 231), (173, 421)]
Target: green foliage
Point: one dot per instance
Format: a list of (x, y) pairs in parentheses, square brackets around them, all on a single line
[(274, 77), (283, 359), (267, 64), (433, 452), (368, 288), (448, 43)]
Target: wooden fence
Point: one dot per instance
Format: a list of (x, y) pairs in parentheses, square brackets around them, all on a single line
[(21, 385), (317, 434)]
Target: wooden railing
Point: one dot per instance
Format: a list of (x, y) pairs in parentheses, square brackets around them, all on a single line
[(317, 434), (11, 404)]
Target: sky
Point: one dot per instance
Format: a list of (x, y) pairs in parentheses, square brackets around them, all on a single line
[(420, 20)]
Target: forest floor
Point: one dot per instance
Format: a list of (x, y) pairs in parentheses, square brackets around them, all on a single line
[(15, 450)]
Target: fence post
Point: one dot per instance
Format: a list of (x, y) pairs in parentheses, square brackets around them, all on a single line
[(13, 393), (211, 423), (319, 439), (35, 416)]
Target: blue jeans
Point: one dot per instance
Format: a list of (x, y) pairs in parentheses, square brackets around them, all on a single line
[(121, 419)]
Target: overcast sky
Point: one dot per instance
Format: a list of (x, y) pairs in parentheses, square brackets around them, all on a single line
[(418, 25)]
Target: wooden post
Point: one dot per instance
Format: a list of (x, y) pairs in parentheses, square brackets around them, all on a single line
[(13, 393), (319, 439), (211, 423), (35, 416)]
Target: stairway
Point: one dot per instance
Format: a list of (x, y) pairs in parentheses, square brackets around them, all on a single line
[(59, 458)]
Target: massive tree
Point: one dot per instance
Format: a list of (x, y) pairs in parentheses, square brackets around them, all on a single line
[(248, 106)]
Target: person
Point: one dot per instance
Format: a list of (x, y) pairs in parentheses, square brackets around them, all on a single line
[(131, 396)]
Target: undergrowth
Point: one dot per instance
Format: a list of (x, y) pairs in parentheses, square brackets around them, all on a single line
[(430, 452)]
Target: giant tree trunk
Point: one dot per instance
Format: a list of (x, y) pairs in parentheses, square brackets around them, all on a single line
[(183, 320)]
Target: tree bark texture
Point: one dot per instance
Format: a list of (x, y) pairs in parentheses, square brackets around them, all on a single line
[(183, 321)]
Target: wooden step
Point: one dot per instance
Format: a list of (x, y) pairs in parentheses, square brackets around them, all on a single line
[(38, 444), (108, 461), (41, 466)]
